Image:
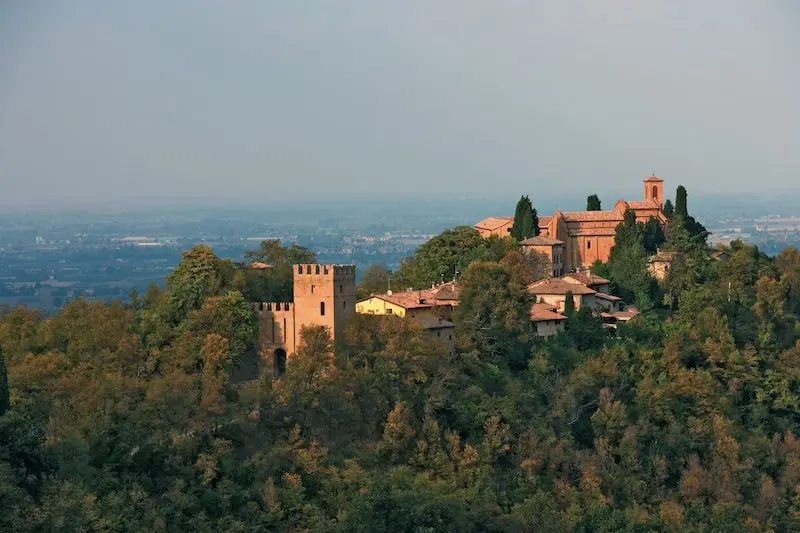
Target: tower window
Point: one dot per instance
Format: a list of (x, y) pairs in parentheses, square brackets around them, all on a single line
[(655, 192), (344, 304), (308, 269), (300, 269), (317, 269), (322, 309), (588, 245), (313, 288)]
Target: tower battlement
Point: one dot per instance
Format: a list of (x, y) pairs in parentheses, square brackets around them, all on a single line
[(274, 307), (316, 269)]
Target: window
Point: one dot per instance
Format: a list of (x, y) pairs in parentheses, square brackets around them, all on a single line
[(588, 245), (313, 288), (322, 309), (344, 304), (308, 269), (341, 289), (655, 192), (317, 269), (389, 311), (449, 337), (299, 269), (438, 333)]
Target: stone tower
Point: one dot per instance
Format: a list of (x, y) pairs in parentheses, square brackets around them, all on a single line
[(654, 190), (324, 295)]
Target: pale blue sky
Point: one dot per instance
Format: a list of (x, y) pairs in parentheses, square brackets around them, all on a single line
[(250, 101)]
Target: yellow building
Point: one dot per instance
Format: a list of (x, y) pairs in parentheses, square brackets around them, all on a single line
[(430, 308)]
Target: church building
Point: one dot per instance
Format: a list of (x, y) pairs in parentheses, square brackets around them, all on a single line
[(584, 237)]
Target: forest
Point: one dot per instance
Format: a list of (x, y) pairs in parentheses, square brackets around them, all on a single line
[(156, 414)]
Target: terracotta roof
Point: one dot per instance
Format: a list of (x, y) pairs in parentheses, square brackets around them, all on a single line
[(662, 257), (447, 291), (593, 232), (623, 316), (492, 223), (592, 216), (653, 178), (541, 241), (558, 286), (541, 312), (643, 204), (608, 297), (423, 299), (586, 278), (544, 220)]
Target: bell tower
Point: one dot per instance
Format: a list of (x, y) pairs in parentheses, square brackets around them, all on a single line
[(654, 190)]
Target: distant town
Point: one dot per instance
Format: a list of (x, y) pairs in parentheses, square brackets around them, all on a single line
[(47, 259)]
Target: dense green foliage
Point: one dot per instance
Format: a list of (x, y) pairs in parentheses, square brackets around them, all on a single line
[(375, 279), (273, 284), (446, 255), (526, 220), (593, 203), (155, 416)]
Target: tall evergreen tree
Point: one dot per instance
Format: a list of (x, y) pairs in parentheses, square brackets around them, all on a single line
[(569, 304), (681, 206), (526, 221), (653, 235), (668, 209), (593, 203)]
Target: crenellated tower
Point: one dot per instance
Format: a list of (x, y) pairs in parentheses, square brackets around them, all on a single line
[(324, 295)]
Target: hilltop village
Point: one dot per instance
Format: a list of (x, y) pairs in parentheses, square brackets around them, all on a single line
[(566, 243)]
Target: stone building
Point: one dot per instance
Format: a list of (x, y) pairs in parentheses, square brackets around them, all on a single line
[(588, 236), (324, 295), (551, 250), (659, 264)]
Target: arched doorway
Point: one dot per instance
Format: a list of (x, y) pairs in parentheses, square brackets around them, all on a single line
[(279, 362)]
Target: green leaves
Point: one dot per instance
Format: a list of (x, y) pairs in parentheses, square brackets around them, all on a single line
[(526, 221)]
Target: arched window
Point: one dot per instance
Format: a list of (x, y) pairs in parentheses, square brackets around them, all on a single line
[(322, 309), (655, 192)]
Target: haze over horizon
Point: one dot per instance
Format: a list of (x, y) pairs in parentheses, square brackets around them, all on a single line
[(105, 103)]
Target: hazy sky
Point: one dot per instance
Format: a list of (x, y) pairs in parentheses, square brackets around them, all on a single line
[(255, 101)]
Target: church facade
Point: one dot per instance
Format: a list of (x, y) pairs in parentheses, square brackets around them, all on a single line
[(587, 236)]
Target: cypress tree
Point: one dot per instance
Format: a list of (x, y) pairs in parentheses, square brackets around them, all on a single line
[(526, 222), (569, 304), (5, 401), (681, 207), (593, 203), (668, 209)]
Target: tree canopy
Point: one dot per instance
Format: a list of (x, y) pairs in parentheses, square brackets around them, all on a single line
[(158, 415), (526, 220), (593, 203)]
